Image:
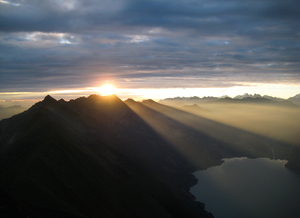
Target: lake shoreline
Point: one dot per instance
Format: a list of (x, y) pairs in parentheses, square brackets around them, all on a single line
[(223, 188)]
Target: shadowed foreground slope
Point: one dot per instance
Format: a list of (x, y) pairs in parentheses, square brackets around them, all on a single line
[(83, 158), (100, 156)]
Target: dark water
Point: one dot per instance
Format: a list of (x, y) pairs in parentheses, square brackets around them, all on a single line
[(243, 187)]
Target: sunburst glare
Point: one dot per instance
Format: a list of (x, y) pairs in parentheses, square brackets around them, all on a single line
[(107, 89)]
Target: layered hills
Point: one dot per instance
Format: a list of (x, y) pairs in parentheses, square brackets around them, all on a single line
[(103, 157)]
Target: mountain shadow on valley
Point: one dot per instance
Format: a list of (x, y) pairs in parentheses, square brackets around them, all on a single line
[(100, 156)]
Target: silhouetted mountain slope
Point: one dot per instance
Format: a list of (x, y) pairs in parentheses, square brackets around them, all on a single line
[(89, 158), (111, 106), (100, 156)]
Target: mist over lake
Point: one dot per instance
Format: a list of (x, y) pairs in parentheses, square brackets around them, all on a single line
[(243, 187)]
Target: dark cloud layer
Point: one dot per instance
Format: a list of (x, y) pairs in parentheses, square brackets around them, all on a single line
[(71, 44)]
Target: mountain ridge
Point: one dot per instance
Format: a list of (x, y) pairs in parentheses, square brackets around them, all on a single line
[(132, 154), (27, 143), (256, 98)]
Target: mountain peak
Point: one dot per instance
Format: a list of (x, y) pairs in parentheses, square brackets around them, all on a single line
[(49, 100), (95, 97), (148, 101), (194, 106), (296, 97), (111, 105), (129, 100)]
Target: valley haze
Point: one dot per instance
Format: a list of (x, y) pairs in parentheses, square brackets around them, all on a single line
[(101, 156)]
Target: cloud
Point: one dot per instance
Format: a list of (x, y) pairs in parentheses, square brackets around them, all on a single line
[(69, 44), (9, 3)]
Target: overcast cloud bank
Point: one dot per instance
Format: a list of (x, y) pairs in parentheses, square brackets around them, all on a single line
[(48, 45)]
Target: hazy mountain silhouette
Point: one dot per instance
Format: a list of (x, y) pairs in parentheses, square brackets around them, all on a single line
[(256, 100), (6, 112), (295, 99), (245, 98), (193, 108), (100, 156)]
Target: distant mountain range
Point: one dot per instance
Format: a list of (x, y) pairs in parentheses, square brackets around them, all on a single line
[(296, 98), (245, 98), (103, 157)]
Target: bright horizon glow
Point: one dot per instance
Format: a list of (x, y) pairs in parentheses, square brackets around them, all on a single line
[(139, 94), (107, 89), (162, 93)]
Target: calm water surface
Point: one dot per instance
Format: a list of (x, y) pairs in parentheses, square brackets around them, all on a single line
[(243, 187)]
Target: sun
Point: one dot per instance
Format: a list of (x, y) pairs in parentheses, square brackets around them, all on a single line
[(107, 89)]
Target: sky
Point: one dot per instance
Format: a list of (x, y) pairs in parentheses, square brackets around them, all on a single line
[(150, 48)]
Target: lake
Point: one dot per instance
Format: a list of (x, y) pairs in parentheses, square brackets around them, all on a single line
[(243, 187)]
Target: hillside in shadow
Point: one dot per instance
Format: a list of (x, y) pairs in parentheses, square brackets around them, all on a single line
[(100, 156), (86, 158)]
